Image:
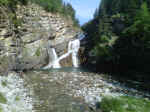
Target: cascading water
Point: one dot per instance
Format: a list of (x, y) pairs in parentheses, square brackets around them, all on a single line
[(66, 54), (54, 58), (55, 61), (73, 48), (75, 45)]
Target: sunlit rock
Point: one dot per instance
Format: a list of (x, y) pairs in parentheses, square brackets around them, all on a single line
[(14, 97)]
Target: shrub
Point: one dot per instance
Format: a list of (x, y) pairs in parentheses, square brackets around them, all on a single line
[(125, 104)]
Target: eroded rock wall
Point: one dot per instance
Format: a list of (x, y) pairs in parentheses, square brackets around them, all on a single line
[(39, 30)]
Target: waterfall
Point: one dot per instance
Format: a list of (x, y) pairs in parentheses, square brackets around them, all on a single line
[(54, 62), (75, 45), (66, 54), (73, 48)]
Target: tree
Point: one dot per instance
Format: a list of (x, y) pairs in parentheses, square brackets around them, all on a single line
[(69, 10), (140, 30), (134, 44)]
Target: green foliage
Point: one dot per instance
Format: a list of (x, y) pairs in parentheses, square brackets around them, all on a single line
[(54, 6), (4, 1), (12, 3), (3, 100), (38, 52), (141, 26), (134, 44), (4, 84), (125, 104), (112, 104), (1, 110), (128, 20), (92, 35), (57, 6), (68, 10), (102, 50), (117, 6), (50, 5)]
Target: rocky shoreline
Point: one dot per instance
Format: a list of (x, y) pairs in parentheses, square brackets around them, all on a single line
[(60, 91), (88, 88)]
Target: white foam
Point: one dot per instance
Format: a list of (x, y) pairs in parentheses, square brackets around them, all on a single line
[(54, 62), (73, 48)]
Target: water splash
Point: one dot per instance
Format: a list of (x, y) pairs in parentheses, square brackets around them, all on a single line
[(54, 62)]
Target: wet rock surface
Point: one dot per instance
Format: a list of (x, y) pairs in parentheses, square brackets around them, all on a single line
[(72, 91), (53, 95)]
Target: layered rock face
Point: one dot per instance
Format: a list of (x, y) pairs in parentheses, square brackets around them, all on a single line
[(39, 31)]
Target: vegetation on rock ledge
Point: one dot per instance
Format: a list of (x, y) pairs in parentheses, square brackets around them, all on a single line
[(54, 6)]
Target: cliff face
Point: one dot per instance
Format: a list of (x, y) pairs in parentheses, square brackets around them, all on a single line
[(39, 30)]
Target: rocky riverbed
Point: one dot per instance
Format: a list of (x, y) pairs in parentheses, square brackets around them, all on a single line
[(14, 97), (72, 91), (59, 91)]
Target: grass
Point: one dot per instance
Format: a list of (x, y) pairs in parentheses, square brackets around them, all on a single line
[(125, 104), (1, 110), (3, 100)]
